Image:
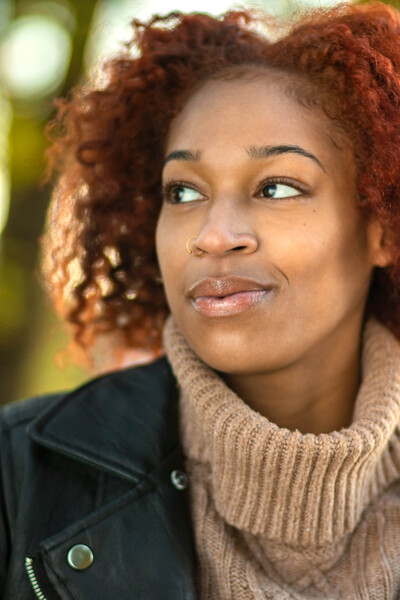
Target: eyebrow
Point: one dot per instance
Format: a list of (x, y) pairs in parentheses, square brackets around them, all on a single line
[(256, 152), (183, 155), (267, 151)]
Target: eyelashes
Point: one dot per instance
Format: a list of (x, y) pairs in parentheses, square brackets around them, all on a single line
[(272, 188), (282, 187), (179, 192)]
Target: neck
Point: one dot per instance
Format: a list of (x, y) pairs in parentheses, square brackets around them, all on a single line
[(313, 395)]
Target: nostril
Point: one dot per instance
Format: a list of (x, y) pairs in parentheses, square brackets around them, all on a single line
[(239, 248)]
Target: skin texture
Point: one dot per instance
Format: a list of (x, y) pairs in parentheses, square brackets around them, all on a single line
[(294, 356)]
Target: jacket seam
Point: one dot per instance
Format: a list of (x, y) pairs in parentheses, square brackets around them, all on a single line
[(35, 405), (93, 459), (7, 427), (62, 582)]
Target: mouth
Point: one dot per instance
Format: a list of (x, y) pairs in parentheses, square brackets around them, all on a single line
[(228, 296)]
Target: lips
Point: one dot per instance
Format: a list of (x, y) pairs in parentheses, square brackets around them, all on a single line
[(228, 296)]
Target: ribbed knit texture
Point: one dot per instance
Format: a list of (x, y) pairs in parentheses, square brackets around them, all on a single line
[(279, 514)]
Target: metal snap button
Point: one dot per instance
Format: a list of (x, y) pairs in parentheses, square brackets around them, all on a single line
[(80, 557), (179, 479)]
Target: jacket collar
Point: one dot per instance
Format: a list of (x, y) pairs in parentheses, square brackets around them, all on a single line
[(123, 422)]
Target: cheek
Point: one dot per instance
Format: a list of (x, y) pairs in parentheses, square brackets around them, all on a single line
[(330, 267), (301, 251)]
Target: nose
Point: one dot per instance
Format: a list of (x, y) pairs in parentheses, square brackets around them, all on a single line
[(226, 229)]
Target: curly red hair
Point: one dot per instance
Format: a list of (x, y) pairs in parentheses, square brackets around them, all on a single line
[(99, 255)]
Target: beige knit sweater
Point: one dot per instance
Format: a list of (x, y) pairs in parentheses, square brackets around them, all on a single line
[(278, 514)]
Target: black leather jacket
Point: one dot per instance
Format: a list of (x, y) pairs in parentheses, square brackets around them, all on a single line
[(93, 468)]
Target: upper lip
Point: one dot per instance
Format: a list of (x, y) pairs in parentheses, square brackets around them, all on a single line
[(224, 286)]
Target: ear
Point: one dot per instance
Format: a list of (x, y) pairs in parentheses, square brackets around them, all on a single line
[(380, 251)]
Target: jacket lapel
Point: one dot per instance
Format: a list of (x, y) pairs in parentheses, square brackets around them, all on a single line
[(124, 424)]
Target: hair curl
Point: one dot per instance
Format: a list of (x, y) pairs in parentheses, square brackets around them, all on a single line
[(99, 257)]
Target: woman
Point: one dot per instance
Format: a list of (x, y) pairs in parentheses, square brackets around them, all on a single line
[(260, 457)]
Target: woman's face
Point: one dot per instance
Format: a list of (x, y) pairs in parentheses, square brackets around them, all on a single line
[(281, 263)]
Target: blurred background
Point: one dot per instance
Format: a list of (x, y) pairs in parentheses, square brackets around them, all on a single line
[(45, 48)]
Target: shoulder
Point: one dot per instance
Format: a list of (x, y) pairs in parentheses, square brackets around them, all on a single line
[(85, 463), (155, 377), (20, 413), (122, 422), (125, 418)]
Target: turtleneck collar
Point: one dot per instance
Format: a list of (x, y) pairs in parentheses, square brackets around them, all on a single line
[(303, 490)]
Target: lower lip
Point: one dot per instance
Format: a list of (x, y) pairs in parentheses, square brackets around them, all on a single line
[(228, 306)]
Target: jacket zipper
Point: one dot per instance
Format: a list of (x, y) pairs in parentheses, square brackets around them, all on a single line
[(32, 578)]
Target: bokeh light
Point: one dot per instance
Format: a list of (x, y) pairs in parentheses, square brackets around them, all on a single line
[(34, 56), (4, 196), (5, 122)]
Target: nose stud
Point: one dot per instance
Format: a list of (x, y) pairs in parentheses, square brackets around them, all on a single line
[(188, 248), (188, 244)]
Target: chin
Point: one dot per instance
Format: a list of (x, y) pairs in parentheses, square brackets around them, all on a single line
[(237, 362)]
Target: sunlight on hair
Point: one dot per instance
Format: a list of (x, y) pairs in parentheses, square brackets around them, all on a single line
[(110, 27)]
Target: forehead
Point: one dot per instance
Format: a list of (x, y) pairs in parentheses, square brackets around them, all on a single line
[(257, 111)]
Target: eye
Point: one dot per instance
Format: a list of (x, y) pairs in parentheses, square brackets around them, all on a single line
[(180, 194), (279, 190)]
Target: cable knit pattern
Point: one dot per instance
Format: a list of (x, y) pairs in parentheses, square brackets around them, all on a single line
[(280, 514)]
